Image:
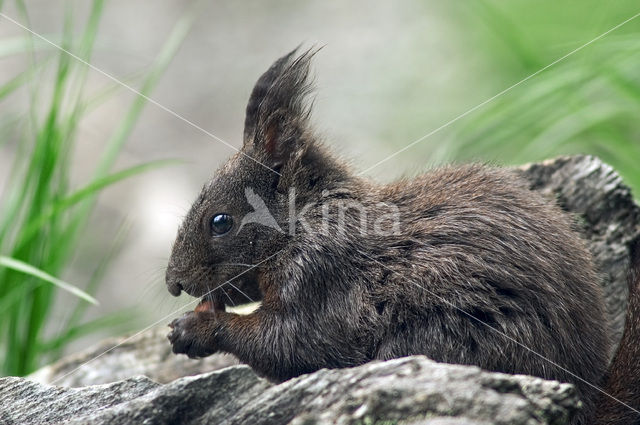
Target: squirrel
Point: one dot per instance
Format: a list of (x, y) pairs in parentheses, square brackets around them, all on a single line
[(463, 264)]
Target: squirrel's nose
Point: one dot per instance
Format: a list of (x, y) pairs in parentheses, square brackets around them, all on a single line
[(173, 285), (174, 288)]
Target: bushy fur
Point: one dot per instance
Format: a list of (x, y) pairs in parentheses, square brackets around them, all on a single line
[(482, 271)]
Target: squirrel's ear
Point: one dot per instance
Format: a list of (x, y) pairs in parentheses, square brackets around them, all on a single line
[(277, 113)]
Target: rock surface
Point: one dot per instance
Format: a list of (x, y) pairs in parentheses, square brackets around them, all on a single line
[(147, 353), (413, 390)]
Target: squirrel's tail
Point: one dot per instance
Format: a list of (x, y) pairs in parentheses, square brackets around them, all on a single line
[(622, 382)]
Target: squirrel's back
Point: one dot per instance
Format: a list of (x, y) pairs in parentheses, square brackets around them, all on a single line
[(501, 278)]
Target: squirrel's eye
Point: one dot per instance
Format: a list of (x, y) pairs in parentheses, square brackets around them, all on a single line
[(221, 224)]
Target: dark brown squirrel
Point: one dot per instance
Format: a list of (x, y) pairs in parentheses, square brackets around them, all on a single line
[(463, 264)]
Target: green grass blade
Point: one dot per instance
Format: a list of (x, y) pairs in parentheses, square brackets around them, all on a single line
[(16, 294), (100, 183), (88, 191), (23, 267)]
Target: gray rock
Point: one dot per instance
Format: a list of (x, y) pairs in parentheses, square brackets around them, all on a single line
[(408, 391), (27, 402), (146, 353), (411, 390)]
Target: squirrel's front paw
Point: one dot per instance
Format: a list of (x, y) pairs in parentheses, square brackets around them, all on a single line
[(193, 334)]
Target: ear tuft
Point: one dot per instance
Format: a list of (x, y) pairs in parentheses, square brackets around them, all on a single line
[(277, 109)]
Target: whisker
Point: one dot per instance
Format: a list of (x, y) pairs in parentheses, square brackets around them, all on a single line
[(202, 274), (236, 264), (225, 294), (238, 289), (229, 298)]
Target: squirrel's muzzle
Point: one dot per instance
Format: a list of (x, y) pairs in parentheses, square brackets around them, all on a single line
[(174, 286)]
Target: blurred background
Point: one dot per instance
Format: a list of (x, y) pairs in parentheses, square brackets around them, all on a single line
[(85, 193)]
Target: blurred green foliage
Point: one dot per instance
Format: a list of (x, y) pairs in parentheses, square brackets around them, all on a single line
[(588, 102), (41, 216)]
